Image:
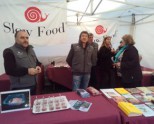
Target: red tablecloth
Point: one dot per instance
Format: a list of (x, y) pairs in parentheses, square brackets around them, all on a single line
[(147, 78), (131, 120), (4, 82), (60, 75), (101, 112)]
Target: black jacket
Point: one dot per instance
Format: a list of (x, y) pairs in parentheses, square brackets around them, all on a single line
[(104, 59), (130, 65)]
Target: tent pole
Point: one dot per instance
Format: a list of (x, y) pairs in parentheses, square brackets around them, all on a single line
[(131, 4), (143, 18), (96, 7), (92, 5), (85, 11), (132, 27)]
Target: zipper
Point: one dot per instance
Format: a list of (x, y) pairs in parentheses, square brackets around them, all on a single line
[(84, 58)]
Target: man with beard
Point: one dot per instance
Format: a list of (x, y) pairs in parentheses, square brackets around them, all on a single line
[(21, 64)]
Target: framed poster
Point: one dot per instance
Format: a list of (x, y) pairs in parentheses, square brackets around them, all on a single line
[(15, 100)]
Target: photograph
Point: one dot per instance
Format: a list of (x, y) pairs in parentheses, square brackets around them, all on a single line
[(16, 100)]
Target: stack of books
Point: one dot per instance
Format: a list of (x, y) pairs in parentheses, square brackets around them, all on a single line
[(129, 109)]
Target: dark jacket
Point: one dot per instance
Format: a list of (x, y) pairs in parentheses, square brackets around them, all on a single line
[(104, 61), (95, 46), (130, 66), (17, 60), (81, 59)]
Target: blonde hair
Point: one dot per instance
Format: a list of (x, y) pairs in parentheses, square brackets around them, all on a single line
[(128, 39)]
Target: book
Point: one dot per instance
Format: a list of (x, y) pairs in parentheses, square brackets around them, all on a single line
[(80, 105), (131, 99), (129, 109), (141, 97), (83, 93), (93, 91), (149, 96), (133, 90), (150, 104), (118, 99), (147, 112), (151, 88), (109, 93), (121, 91), (144, 89)]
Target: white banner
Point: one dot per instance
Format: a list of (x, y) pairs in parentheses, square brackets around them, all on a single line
[(45, 22), (101, 29), (98, 28)]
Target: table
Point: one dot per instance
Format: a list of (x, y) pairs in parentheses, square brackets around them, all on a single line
[(60, 75), (101, 112), (147, 76), (4, 82), (131, 120)]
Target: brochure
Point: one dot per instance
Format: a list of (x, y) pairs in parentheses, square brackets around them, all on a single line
[(80, 105)]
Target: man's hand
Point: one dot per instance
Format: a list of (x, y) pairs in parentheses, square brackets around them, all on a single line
[(32, 71), (38, 69)]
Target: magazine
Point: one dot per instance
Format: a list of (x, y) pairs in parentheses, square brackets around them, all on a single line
[(80, 105), (133, 90), (109, 93), (131, 99), (147, 112)]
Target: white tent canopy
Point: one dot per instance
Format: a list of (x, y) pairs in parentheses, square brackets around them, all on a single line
[(134, 17)]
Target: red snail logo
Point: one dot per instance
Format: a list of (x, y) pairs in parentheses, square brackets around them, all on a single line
[(100, 29), (33, 14)]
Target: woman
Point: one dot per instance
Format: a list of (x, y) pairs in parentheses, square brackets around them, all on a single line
[(117, 58), (131, 73), (105, 64), (81, 58)]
